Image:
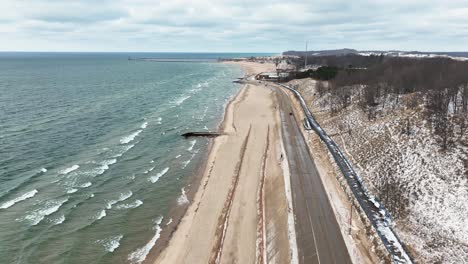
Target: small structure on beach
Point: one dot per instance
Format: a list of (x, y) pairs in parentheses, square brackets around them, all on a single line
[(267, 76)]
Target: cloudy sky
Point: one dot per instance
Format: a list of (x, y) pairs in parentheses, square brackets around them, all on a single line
[(232, 25)]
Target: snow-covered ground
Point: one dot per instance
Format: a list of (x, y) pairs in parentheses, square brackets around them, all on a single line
[(429, 189)]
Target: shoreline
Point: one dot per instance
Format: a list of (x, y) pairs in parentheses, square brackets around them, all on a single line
[(177, 212), (211, 187)]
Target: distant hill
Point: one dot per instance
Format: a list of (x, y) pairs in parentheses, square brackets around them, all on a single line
[(393, 53)]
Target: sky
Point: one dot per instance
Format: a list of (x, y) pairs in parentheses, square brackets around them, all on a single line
[(232, 25)]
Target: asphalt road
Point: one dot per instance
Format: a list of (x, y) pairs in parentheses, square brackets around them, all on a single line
[(319, 238)]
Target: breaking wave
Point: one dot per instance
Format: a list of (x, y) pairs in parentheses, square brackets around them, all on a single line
[(101, 214), (131, 137), (123, 196), (139, 255), (181, 100), (50, 207), (182, 198), (69, 169), (155, 178), (23, 197), (110, 244), (132, 205)]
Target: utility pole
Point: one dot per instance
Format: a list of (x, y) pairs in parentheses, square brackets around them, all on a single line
[(305, 63)]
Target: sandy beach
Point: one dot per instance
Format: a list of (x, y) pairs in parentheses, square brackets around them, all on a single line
[(231, 218)]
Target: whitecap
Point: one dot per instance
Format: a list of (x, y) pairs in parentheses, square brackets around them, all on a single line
[(43, 170), (59, 220), (131, 137), (180, 100), (123, 149), (85, 185), (149, 170), (101, 215), (104, 165), (140, 254), (159, 120), (169, 222), (192, 144), (72, 190), (50, 207), (186, 163), (110, 244), (152, 161), (178, 156), (132, 205), (123, 196), (182, 198), (23, 197), (69, 169), (155, 178), (144, 125)]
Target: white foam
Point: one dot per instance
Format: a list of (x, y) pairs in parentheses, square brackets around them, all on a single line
[(72, 190), (144, 125), (131, 137), (123, 150), (149, 170), (104, 166), (123, 196), (155, 178), (159, 120), (169, 222), (181, 100), (85, 185), (110, 244), (59, 220), (132, 205), (186, 163), (23, 197), (182, 198), (101, 214), (192, 144), (43, 170), (50, 207), (139, 255), (178, 156), (152, 161), (69, 169)]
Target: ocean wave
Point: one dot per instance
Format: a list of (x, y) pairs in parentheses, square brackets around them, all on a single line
[(43, 170), (159, 120), (178, 156), (74, 190), (155, 178), (180, 100), (131, 137), (182, 198), (101, 214), (132, 205), (169, 222), (59, 220), (152, 161), (192, 144), (85, 185), (187, 162), (50, 207), (110, 244), (139, 255), (104, 165), (149, 170), (23, 197), (123, 196), (69, 169), (123, 149), (144, 125)]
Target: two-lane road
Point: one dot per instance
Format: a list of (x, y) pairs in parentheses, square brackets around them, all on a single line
[(319, 237)]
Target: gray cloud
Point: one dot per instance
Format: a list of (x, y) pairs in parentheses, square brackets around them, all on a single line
[(233, 25)]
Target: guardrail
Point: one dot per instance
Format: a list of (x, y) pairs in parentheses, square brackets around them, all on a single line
[(372, 207)]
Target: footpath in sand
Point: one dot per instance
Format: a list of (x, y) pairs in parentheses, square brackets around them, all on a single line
[(239, 213)]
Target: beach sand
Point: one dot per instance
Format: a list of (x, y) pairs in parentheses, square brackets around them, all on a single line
[(238, 214)]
